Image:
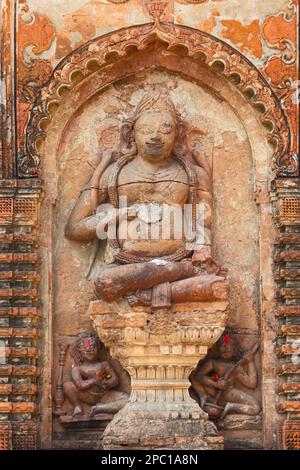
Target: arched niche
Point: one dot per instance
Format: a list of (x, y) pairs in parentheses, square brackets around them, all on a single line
[(195, 45), (233, 136)]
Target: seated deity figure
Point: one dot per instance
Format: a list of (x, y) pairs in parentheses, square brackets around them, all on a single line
[(217, 382), (154, 172), (92, 380)]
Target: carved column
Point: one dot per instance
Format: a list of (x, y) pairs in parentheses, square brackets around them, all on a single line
[(159, 349)]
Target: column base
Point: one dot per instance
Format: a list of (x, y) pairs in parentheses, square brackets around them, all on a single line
[(159, 349), (150, 429)]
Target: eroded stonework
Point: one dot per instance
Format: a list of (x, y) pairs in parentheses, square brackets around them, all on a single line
[(219, 382), (154, 172), (74, 75)]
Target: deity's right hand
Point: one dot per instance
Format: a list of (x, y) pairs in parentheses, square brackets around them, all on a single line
[(105, 159), (222, 384)]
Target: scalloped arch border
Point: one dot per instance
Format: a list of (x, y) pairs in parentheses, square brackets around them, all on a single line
[(196, 45)]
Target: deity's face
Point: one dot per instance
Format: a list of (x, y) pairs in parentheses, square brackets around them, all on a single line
[(155, 135), (226, 349), (88, 349)]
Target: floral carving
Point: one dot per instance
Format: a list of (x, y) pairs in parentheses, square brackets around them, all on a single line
[(35, 35), (280, 33), (173, 37)]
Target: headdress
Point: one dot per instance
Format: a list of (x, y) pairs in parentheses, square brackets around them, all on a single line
[(88, 338), (158, 102)]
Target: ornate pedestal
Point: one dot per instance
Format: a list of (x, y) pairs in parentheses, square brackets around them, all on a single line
[(159, 349)]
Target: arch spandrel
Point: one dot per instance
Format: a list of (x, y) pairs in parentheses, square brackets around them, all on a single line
[(191, 47)]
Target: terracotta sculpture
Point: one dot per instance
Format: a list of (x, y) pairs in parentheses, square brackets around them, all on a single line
[(150, 188), (153, 170), (92, 380), (216, 382)]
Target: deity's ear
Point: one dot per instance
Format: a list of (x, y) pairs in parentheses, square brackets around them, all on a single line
[(181, 130), (127, 132), (127, 144), (180, 146)]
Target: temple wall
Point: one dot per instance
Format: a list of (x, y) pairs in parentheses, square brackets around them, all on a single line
[(54, 124)]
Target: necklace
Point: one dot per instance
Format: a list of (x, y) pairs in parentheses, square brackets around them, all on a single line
[(125, 257)]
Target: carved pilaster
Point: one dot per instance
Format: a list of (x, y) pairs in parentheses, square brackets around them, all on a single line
[(19, 313), (287, 270), (8, 127)]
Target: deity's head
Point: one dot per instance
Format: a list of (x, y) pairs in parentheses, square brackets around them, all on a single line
[(154, 127), (226, 347), (86, 348)]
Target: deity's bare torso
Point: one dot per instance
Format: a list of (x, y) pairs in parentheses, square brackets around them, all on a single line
[(146, 186), (164, 184)]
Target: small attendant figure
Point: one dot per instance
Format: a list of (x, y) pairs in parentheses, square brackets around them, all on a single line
[(92, 380), (215, 382)]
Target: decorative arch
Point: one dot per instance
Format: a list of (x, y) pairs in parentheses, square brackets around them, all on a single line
[(185, 43)]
